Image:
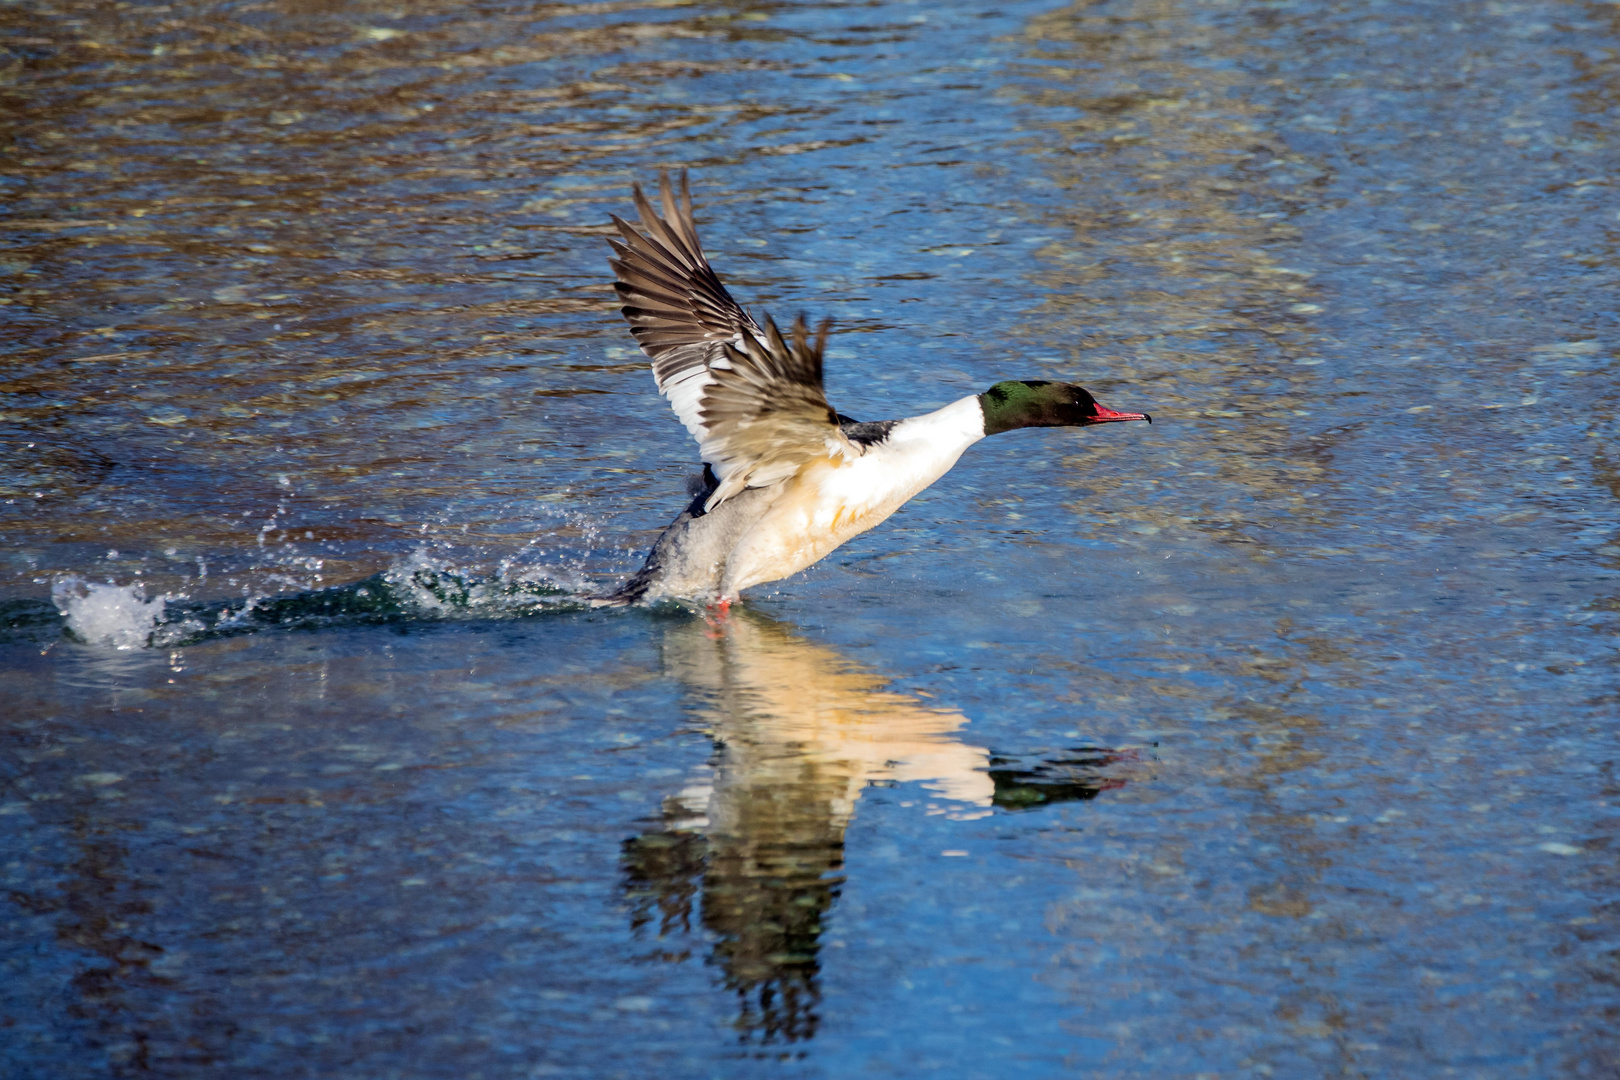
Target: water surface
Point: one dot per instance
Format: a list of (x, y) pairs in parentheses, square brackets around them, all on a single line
[(1275, 739)]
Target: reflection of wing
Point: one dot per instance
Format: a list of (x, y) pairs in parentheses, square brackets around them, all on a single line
[(802, 731), (751, 399)]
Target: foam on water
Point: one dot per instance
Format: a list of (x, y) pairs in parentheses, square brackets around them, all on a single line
[(116, 616), (422, 586)]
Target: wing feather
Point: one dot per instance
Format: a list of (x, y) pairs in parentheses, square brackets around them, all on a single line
[(752, 399), (764, 412)]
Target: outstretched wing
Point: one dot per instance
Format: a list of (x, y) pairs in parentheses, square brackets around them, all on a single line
[(752, 400), (679, 312)]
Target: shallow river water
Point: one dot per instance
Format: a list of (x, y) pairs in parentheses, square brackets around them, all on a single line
[(1275, 739)]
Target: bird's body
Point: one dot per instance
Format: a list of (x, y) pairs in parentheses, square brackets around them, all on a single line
[(786, 479), (767, 533)]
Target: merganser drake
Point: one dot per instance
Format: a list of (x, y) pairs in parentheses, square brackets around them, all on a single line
[(786, 479)]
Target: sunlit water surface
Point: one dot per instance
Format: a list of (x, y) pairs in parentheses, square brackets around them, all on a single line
[(1276, 739)]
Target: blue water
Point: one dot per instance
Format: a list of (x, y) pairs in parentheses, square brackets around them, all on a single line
[(1275, 739)]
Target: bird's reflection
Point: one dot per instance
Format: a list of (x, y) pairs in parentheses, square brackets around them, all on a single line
[(755, 848)]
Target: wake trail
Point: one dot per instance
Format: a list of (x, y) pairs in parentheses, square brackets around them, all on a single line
[(418, 588)]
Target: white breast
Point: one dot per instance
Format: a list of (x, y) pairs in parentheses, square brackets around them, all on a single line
[(834, 499)]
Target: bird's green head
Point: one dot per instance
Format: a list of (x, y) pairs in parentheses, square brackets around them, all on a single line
[(1013, 404)]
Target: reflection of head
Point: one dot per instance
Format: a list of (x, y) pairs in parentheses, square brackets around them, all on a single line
[(1079, 774), (802, 730)]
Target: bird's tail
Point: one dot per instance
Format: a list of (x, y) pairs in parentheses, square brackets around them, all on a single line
[(633, 591)]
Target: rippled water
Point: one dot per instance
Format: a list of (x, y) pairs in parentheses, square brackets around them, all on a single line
[(1275, 739)]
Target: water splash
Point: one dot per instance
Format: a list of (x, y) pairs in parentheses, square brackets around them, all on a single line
[(113, 616), (421, 587), (433, 585)]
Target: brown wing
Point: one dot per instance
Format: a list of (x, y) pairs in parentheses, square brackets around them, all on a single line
[(679, 312), (764, 414), (752, 401)]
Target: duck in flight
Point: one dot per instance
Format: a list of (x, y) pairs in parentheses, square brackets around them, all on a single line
[(786, 479)]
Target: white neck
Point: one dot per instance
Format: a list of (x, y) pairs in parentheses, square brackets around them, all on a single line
[(922, 449), (957, 426)]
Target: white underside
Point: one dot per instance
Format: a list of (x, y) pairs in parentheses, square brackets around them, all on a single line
[(833, 499)]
